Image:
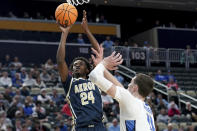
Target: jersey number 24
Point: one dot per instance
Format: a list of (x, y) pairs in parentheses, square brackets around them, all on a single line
[(86, 97)]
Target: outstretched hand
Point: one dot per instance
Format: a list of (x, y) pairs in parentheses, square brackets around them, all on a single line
[(64, 28), (111, 62), (99, 55), (84, 22)]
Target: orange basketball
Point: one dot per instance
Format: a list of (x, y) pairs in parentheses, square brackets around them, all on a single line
[(66, 14)]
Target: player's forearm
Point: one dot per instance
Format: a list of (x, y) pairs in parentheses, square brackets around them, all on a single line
[(61, 52), (111, 78), (92, 39), (98, 78)]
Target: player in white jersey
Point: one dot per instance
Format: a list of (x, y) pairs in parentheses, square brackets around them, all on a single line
[(135, 114)]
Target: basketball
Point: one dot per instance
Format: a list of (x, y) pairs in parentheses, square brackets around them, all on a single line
[(66, 14)]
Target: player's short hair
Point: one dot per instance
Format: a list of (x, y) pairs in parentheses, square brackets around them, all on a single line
[(145, 84), (88, 65)]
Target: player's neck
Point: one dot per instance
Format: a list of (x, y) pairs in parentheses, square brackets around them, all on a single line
[(138, 96), (77, 76)]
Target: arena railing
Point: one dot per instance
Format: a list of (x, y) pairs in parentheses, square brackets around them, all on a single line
[(156, 55), (161, 88)]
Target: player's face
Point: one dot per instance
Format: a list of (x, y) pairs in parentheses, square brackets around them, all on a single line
[(132, 85), (79, 68)]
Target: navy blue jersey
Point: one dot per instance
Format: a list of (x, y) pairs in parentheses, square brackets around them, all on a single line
[(85, 101)]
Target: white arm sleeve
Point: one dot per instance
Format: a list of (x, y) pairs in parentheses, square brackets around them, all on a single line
[(97, 77)]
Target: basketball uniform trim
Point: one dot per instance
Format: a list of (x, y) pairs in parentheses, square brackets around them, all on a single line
[(68, 99), (130, 125)]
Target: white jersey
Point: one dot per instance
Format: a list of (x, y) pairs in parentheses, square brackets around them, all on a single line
[(135, 114)]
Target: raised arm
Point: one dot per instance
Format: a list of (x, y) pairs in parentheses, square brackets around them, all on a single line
[(111, 63), (61, 52), (90, 36)]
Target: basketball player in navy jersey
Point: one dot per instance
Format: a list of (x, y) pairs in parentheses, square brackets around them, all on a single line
[(83, 96)]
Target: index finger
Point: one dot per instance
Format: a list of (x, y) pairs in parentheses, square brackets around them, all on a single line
[(84, 14)]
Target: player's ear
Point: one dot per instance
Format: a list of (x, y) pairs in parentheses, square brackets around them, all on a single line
[(135, 88), (87, 71)]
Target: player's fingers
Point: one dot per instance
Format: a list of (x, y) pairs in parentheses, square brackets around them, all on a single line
[(120, 62), (101, 47), (119, 58), (93, 58), (113, 53), (95, 52), (116, 56), (84, 13)]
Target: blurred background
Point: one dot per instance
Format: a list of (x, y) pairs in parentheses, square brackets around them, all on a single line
[(155, 37)]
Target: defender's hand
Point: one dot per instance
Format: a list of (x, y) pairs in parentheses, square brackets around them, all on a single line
[(84, 23), (111, 62), (99, 55)]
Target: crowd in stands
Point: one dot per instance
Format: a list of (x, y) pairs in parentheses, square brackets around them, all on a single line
[(23, 110)]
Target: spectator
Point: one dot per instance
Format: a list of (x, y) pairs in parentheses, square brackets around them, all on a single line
[(39, 111), (25, 91), (116, 110), (80, 39), (49, 64), (117, 43), (159, 77), (153, 98), (7, 96), (16, 62), (63, 126), (107, 44), (102, 19), (118, 77), (11, 14), (56, 97), (54, 78), (163, 117), (26, 15), (29, 124), (12, 71), (170, 128), (29, 100), (51, 108), (157, 23), (29, 81), (172, 85), (172, 102), (173, 110), (23, 74), (45, 76), (5, 80), (39, 83), (28, 109), (170, 76), (39, 16), (187, 54), (2, 106), (135, 45), (43, 97), (126, 44), (4, 121), (17, 81), (161, 104), (6, 61), (160, 98), (115, 126), (66, 110), (189, 111), (106, 99), (18, 125)]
